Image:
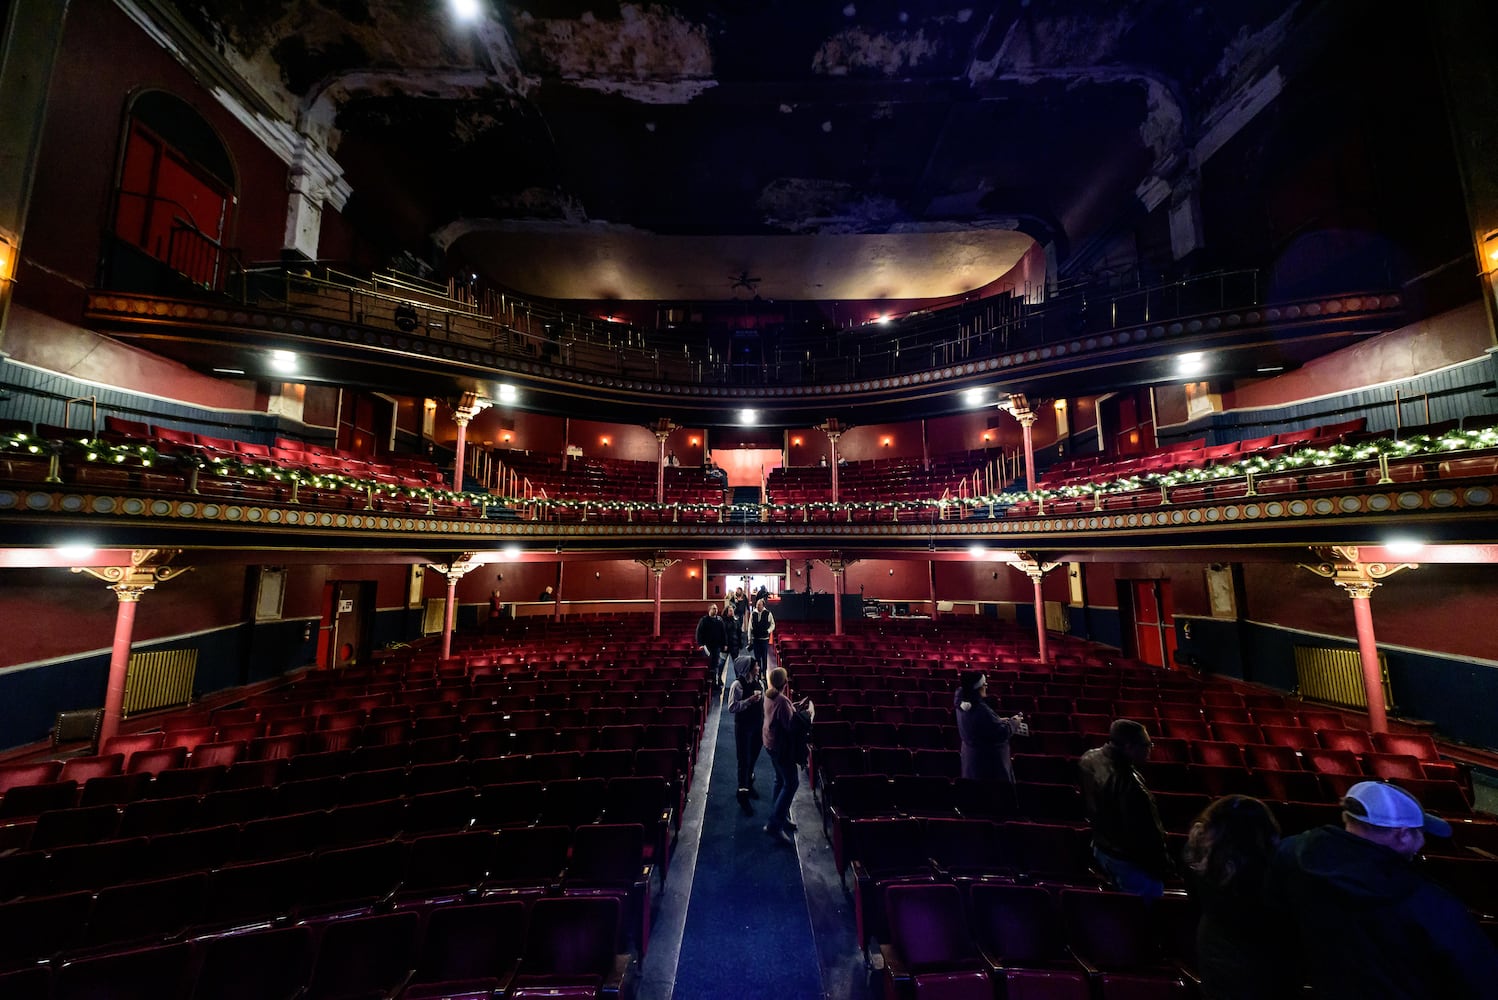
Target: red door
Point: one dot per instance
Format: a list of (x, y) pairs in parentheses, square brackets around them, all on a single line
[(1154, 622)]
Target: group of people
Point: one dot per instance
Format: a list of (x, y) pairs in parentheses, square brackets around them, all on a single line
[(721, 637), (1343, 908), (769, 717)]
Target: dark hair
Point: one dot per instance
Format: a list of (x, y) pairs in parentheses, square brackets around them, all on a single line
[(969, 680), (1232, 840), (1127, 733)]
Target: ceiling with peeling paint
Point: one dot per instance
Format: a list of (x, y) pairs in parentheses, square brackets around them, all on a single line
[(603, 150)]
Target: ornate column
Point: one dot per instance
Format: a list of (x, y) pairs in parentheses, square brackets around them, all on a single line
[(663, 428), (1036, 571), (839, 566), (1340, 565), (1019, 407), (470, 406), (657, 564), (931, 578), (147, 568), (833, 430), (454, 571)]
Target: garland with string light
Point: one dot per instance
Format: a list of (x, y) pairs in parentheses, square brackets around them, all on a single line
[(235, 466)]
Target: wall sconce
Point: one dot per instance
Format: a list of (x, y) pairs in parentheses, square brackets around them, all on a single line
[(988, 435), (796, 442), (429, 405), (10, 252), (693, 441), (505, 437), (604, 441), (1489, 251), (692, 574), (886, 442), (1060, 404), (891, 572)]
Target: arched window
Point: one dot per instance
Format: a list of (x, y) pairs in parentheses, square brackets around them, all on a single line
[(176, 192)]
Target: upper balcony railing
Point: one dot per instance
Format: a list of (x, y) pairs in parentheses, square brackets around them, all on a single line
[(785, 355)]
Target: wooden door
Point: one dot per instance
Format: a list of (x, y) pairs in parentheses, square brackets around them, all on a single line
[(1154, 622)]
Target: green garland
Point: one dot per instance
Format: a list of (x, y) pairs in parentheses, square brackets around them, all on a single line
[(111, 453)]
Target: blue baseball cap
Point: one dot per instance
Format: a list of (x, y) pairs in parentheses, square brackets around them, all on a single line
[(1380, 804)]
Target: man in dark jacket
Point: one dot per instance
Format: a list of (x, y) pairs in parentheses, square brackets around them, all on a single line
[(1369, 924), (1128, 841), (711, 638)]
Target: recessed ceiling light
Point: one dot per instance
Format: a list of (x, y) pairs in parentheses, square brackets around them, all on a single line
[(749, 417), (746, 551), (977, 551), (507, 393), (283, 361), (465, 10), (975, 397), (1190, 364), (510, 552)]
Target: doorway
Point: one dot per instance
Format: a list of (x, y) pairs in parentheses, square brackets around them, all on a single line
[(1150, 614), (348, 616)]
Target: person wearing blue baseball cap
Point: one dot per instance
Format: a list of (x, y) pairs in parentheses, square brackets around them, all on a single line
[(1369, 924)]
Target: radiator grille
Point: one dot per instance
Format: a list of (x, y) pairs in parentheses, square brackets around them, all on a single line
[(1336, 676), (159, 679)]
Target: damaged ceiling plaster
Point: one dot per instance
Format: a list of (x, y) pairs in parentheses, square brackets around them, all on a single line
[(683, 123)]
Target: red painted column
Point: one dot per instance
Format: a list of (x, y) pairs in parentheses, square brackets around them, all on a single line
[(1040, 633), (657, 630), (449, 615), (461, 419), (556, 596), (837, 600), (1026, 421), (1373, 680), (931, 576), (119, 661)]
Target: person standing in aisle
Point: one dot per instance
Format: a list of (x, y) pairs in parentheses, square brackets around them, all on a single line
[(746, 703), (711, 638), (761, 628)]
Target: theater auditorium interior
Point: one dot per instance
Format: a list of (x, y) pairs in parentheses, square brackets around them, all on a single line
[(387, 389)]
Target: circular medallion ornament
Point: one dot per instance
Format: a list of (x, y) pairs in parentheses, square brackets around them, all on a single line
[(292, 517), (1350, 505), (1298, 507), (1251, 511), (1274, 509), (102, 505), (325, 519), (1479, 495), (72, 503), (1443, 498), (233, 514), (133, 506), (1213, 514), (1378, 502), (254, 514), (8, 500), (38, 501), (1410, 501), (187, 509), (160, 508)]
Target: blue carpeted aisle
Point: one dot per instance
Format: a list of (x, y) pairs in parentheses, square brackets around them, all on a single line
[(747, 931)]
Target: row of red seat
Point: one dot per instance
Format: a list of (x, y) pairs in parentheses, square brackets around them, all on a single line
[(523, 947)]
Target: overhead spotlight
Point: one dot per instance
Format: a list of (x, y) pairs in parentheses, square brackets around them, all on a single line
[(883, 319), (283, 361), (1404, 547), (745, 551), (1190, 364), (977, 551), (75, 550), (507, 393), (749, 417), (511, 552), (465, 10), (975, 397)]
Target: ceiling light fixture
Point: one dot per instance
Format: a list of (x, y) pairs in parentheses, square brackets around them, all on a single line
[(745, 551), (977, 551), (975, 397), (75, 550), (465, 10), (1404, 547), (1190, 364), (228, 371), (510, 552), (283, 361), (749, 417), (507, 393)]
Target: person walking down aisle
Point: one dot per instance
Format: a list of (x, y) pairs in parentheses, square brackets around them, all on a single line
[(746, 703), (711, 638), (1370, 925), (761, 628), (1241, 943), (735, 608), (786, 727), (1128, 841)]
